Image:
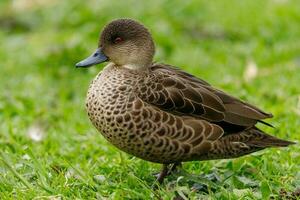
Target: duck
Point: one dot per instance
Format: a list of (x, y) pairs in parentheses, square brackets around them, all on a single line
[(162, 114)]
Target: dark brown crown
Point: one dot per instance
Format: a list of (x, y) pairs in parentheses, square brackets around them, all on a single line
[(127, 29)]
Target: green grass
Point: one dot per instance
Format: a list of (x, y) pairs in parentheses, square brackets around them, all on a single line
[(41, 91)]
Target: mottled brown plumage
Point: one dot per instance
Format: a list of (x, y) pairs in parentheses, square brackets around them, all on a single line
[(161, 114)]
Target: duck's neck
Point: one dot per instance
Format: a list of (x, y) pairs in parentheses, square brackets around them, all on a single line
[(133, 66), (136, 66)]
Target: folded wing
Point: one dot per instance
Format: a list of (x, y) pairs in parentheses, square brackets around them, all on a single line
[(182, 94)]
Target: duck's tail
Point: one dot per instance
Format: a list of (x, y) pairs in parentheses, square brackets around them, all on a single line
[(246, 142), (257, 138)]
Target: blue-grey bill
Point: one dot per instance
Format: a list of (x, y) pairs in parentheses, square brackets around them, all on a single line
[(96, 58)]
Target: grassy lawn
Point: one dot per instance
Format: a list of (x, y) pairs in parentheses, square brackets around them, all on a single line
[(50, 150)]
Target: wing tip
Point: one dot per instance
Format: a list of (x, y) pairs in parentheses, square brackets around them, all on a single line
[(266, 123)]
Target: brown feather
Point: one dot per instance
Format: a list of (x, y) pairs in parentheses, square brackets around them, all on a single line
[(206, 102), (245, 111)]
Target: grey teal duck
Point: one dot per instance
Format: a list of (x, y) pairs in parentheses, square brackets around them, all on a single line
[(162, 114)]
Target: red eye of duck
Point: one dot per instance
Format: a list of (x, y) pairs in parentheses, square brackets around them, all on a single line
[(118, 40)]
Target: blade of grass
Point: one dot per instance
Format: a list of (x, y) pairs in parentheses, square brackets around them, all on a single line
[(19, 176), (41, 172)]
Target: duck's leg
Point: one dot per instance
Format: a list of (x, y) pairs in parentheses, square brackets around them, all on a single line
[(174, 167), (163, 173)]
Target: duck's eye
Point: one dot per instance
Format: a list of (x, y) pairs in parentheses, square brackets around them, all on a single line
[(118, 40)]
